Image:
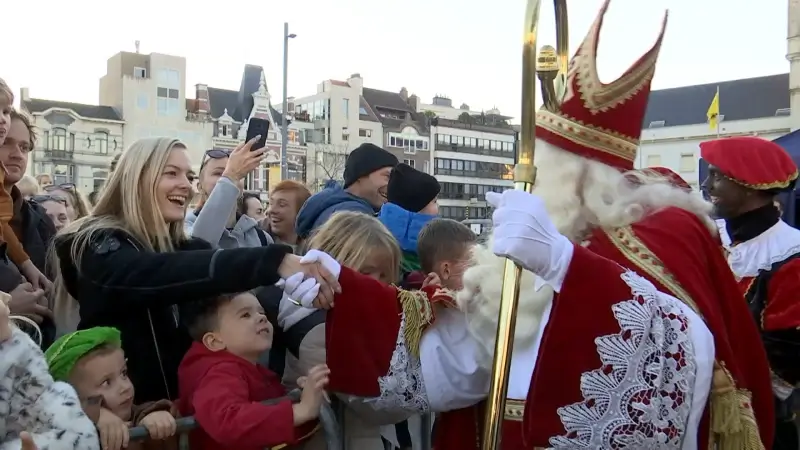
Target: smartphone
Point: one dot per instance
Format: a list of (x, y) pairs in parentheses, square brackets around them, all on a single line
[(257, 127)]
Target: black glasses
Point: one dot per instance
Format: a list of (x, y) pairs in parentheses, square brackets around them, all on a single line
[(60, 187), (215, 153), (49, 198)]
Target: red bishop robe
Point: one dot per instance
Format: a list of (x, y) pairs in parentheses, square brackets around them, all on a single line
[(602, 375)]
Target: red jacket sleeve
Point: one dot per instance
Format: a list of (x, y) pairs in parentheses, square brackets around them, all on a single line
[(223, 410), (362, 329), (782, 311)]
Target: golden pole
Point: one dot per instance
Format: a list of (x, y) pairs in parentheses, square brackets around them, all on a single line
[(553, 73)]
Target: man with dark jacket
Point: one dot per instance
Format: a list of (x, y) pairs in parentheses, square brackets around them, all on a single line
[(30, 224), (366, 175)]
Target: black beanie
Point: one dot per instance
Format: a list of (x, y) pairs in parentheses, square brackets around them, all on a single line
[(411, 189), (364, 160)]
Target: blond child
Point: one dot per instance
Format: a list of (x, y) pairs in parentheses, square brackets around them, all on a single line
[(93, 362)]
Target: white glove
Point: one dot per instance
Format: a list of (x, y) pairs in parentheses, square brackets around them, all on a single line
[(299, 290), (327, 261), (524, 233)]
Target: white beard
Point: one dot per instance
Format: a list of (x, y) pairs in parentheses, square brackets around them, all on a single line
[(579, 194)]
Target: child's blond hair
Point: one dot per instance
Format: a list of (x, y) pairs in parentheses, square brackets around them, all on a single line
[(353, 239), (6, 96)]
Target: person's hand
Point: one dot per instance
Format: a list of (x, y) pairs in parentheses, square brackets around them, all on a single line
[(243, 161), (27, 441), (432, 280), (524, 233), (300, 290), (114, 433), (5, 318), (34, 276), (312, 267), (313, 386), (159, 424), (325, 298), (25, 302)]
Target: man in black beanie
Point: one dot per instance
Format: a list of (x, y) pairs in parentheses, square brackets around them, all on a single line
[(366, 175)]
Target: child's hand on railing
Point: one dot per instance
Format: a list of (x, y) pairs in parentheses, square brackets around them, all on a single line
[(313, 394), (159, 424), (114, 433)]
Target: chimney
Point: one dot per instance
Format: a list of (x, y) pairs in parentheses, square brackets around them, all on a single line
[(136, 44), (413, 102), (24, 95), (404, 94), (201, 96), (357, 82), (289, 105)]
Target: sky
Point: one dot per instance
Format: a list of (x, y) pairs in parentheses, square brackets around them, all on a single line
[(467, 50)]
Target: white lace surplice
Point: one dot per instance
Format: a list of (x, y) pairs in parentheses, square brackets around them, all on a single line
[(449, 377)]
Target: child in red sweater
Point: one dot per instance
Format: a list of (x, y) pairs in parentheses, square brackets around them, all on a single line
[(223, 387)]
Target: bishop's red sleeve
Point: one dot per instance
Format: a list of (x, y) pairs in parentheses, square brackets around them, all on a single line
[(223, 410), (370, 323)]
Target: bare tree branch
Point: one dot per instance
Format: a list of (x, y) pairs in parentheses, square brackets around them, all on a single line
[(329, 163)]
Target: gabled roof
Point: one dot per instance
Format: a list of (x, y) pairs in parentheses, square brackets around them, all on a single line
[(377, 100), (238, 103), (38, 105), (748, 98)]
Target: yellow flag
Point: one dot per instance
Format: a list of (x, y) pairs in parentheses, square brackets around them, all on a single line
[(713, 112)]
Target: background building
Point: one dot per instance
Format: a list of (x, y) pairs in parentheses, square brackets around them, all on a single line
[(149, 92), (472, 156), (75, 142), (675, 123)]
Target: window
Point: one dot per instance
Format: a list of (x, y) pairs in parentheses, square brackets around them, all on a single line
[(362, 132), (477, 169), (59, 139), (653, 160), (411, 163), (346, 107), (63, 173), (169, 78), (142, 101), (100, 141), (224, 131), (426, 166), (362, 111), (168, 92), (688, 163), (139, 72), (410, 143)]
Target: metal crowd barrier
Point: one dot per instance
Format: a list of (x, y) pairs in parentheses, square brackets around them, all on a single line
[(327, 419)]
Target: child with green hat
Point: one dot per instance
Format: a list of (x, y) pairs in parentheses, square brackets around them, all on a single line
[(36, 409), (93, 362)]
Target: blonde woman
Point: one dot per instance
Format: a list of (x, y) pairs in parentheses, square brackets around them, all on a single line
[(77, 206), (28, 187), (128, 264), (362, 243)]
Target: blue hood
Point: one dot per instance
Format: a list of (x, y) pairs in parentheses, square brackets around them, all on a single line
[(404, 225), (323, 204)]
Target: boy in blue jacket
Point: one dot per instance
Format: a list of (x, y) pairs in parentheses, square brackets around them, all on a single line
[(412, 197)]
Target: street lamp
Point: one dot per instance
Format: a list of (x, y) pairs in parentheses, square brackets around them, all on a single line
[(284, 110)]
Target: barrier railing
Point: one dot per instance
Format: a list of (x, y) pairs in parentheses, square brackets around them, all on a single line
[(327, 420)]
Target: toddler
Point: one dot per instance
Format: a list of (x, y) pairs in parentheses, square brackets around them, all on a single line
[(93, 362), (222, 384)]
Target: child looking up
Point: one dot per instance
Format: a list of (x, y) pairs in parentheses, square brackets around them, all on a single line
[(93, 362), (412, 203), (222, 384)]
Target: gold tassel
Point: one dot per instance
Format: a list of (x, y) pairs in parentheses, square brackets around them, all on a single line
[(418, 316), (733, 422)]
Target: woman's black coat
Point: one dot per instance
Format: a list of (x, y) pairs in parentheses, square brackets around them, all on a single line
[(119, 284)]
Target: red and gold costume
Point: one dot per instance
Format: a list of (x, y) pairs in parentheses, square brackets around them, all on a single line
[(765, 258), (634, 350)]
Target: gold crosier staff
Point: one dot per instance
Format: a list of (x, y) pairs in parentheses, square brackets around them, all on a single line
[(551, 66)]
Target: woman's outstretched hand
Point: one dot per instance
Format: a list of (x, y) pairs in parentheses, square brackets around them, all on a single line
[(328, 282)]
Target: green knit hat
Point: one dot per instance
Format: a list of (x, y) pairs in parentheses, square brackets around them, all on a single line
[(68, 349)]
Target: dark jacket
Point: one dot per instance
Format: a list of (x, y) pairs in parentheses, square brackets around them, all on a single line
[(37, 230), (321, 206), (223, 392), (123, 286)]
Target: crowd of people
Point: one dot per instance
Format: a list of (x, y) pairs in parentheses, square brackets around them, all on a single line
[(174, 294)]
